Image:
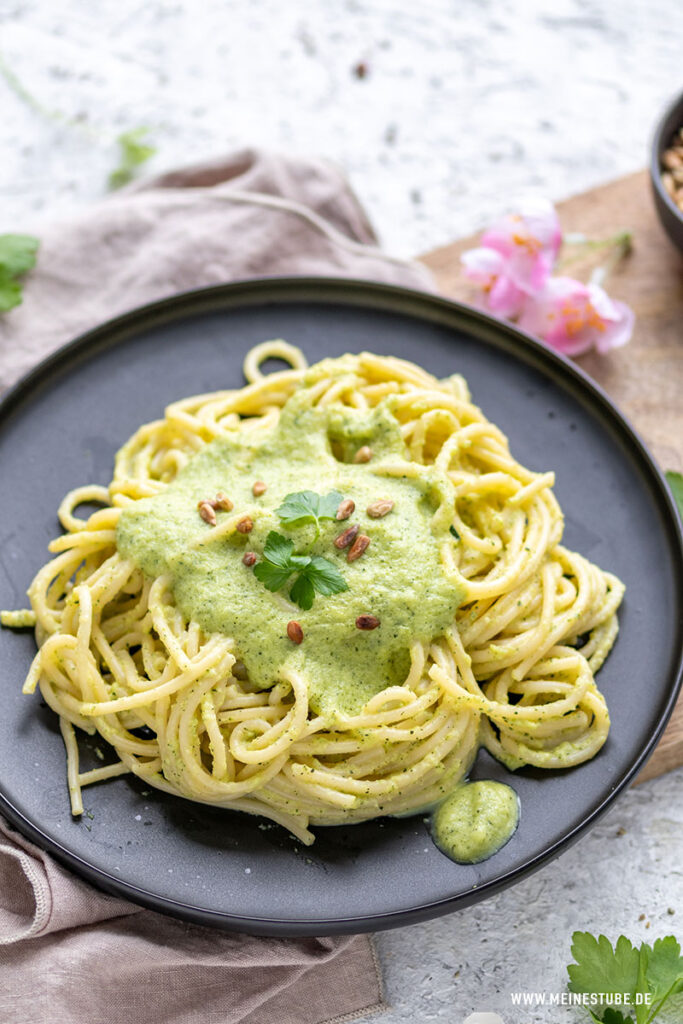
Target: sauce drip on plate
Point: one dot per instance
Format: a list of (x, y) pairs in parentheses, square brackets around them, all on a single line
[(475, 821)]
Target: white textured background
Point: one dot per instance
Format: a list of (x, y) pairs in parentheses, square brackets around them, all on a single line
[(465, 104)]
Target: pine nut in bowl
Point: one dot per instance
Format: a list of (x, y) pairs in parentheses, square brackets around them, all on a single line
[(666, 171)]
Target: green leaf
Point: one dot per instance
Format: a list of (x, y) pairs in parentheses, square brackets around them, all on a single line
[(17, 257), (643, 1009), (328, 505), (307, 506), (656, 971), (325, 576), (133, 153), (278, 549), (675, 481), (299, 506), (314, 573), (277, 564), (271, 576), (663, 970), (17, 254), (319, 574), (10, 292), (616, 1017), (601, 969), (302, 593)]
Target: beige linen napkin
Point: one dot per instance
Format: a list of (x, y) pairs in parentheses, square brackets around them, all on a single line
[(68, 953), (252, 214)]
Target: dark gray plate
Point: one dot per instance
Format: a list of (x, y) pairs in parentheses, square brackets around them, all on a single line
[(61, 426)]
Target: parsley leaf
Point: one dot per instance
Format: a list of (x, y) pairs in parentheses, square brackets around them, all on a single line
[(278, 549), (675, 481), (10, 292), (303, 592), (315, 573), (17, 257), (325, 576), (614, 1017), (308, 507), (272, 577), (276, 567), (601, 969), (663, 969), (133, 153), (18, 253), (649, 975)]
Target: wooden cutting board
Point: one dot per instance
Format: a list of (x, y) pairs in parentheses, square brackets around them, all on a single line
[(645, 379)]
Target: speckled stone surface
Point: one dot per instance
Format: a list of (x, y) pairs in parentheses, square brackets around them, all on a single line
[(631, 864), (440, 113), (461, 107)]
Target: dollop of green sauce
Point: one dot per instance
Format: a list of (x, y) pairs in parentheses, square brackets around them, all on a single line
[(400, 579), (475, 821)]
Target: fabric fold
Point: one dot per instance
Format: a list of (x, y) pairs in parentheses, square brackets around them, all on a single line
[(38, 897), (252, 214)]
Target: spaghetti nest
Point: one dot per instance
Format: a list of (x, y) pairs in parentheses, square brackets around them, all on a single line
[(514, 671)]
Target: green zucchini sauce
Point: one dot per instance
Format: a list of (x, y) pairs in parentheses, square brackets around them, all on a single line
[(475, 821), (399, 579)]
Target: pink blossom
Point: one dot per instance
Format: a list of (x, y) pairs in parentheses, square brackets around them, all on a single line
[(573, 317), (500, 295), (529, 242), (513, 265)]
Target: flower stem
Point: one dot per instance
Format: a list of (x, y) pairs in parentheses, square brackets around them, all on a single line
[(621, 243), (622, 238)]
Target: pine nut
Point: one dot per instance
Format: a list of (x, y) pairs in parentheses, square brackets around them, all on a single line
[(380, 508), (295, 632), (360, 544), (223, 502), (363, 454), (367, 622), (206, 512), (346, 538), (346, 509)]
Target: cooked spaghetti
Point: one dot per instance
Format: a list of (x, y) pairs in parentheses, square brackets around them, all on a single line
[(462, 622)]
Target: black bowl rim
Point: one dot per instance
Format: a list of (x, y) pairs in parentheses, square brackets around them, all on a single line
[(659, 141)]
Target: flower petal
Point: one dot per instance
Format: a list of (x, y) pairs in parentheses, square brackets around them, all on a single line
[(573, 317), (506, 299), (529, 242), (482, 265)]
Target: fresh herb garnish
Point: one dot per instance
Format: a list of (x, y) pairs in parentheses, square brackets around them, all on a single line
[(17, 257), (314, 573), (452, 530), (675, 481), (648, 976), (134, 152), (308, 507)]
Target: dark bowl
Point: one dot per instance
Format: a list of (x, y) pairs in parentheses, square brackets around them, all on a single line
[(669, 214)]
